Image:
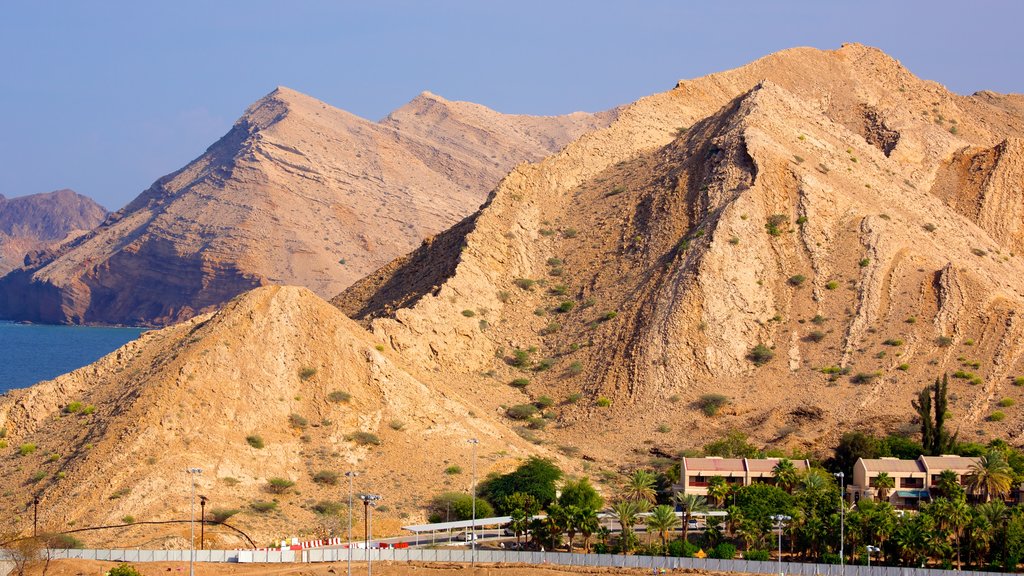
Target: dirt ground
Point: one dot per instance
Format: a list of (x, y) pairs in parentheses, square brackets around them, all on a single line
[(95, 568)]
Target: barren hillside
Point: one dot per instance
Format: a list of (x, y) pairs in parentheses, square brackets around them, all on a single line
[(861, 224), (40, 221), (298, 192)]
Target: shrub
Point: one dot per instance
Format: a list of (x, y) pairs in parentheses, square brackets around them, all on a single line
[(963, 375), (306, 373), (468, 313), (928, 226), (363, 438), (263, 507), (969, 342), (297, 421), (819, 320), (996, 416), (603, 402), (566, 306), (978, 252), (559, 289), (128, 519), (893, 342), (328, 508), (757, 555), (74, 407), (1018, 381), (554, 261), (815, 336), (710, 404), (944, 341), (453, 470), (521, 411), (551, 328), (573, 398), (38, 476), (1006, 402), (832, 285), (864, 377), (609, 316), (556, 272), (279, 485), (575, 368), (864, 262), (339, 396), (544, 402), (504, 295), (520, 383), (123, 570), (328, 477), (222, 514), (569, 233), (723, 551), (26, 449), (903, 367), (774, 222), (520, 358), (544, 364), (524, 283), (760, 355), (459, 505), (396, 425), (255, 441), (120, 493), (797, 280), (664, 428), (536, 423)]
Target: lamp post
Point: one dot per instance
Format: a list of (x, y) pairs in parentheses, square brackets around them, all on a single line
[(842, 522), (192, 472), (368, 500), (202, 522), (871, 550), (35, 515), (472, 539), (350, 474), (779, 519)]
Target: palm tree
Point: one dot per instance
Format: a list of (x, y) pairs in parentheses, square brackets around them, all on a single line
[(519, 524), (990, 476), (640, 486), (662, 519), (785, 475), (625, 513), (588, 525), (952, 516), (884, 483), (571, 516), (690, 503), (718, 490)]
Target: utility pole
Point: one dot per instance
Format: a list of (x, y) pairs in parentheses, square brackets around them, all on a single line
[(35, 515), (368, 500), (202, 522), (192, 473), (351, 474), (779, 519), (472, 538), (842, 522)]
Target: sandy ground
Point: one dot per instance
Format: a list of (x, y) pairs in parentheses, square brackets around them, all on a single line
[(95, 568)]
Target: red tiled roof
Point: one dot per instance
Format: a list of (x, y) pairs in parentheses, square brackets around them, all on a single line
[(714, 465), (891, 465), (768, 464), (937, 464)]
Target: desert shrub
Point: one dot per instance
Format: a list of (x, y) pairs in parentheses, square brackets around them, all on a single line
[(774, 223), (963, 375), (3, 432), (978, 252), (569, 233), (468, 313), (544, 402), (615, 191), (328, 508), (943, 341), (524, 283), (222, 514), (603, 402), (969, 342), (559, 289), (997, 416), (544, 364), (893, 342), (453, 470), (903, 367), (864, 377), (39, 475), (120, 493), (89, 409), (363, 438), (328, 477), (554, 261), (797, 280), (864, 262), (339, 396), (760, 355), (664, 428), (536, 423), (757, 555), (815, 336), (74, 407), (307, 372), (521, 411), (279, 485), (255, 441), (396, 425), (457, 506), (573, 398), (1018, 381), (556, 272), (928, 226), (911, 320), (831, 285), (520, 383), (263, 507), (520, 358), (609, 316), (798, 159), (297, 420), (566, 306), (123, 570), (723, 551), (1006, 402), (551, 328), (575, 368), (818, 320), (504, 295), (710, 404), (129, 519), (26, 449)]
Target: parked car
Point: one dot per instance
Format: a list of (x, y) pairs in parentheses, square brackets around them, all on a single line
[(467, 536)]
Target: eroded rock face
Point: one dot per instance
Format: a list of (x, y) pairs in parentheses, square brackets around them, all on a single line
[(298, 193), (34, 223)]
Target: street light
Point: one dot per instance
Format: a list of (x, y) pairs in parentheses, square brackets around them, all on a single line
[(472, 539), (779, 519), (192, 472), (350, 474), (35, 515), (368, 500), (842, 522), (202, 522), (871, 550)]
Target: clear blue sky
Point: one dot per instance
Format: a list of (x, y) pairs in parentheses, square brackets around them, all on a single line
[(105, 97)]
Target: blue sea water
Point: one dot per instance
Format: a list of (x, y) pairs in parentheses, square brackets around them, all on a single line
[(30, 352)]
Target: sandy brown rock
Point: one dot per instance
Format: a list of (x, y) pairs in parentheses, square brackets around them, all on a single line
[(41, 221), (298, 192)]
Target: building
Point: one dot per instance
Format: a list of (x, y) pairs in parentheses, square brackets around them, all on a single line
[(696, 473), (912, 479)]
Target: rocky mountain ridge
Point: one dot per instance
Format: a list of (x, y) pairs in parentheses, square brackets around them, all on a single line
[(39, 221)]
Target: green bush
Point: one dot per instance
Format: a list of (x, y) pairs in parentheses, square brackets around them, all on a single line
[(328, 508), (468, 313), (363, 438), (544, 364), (129, 519), (520, 358), (459, 506), (831, 285), (255, 441), (1006, 402), (864, 377), (74, 407), (222, 514), (609, 316), (279, 485), (397, 425), (263, 507), (566, 306), (603, 402), (864, 262), (723, 551), (521, 411), (453, 470), (306, 373), (760, 355), (551, 328), (575, 368), (37, 476), (554, 261), (893, 342), (26, 449), (814, 336), (297, 421), (559, 290), (569, 233), (757, 555), (524, 283), (710, 404), (682, 549), (88, 410), (944, 341), (1018, 381), (520, 383), (544, 402), (775, 222), (339, 396), (903, 367), (123, 570), (997, 416), (797, 280), (818, 320), (328, 477), (573, 398)]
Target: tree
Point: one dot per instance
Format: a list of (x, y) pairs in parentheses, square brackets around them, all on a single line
[(718, 490), (519, 524), (947, 485), (580, 493), (519, 501), (853, 445), (460, 506), (884, 483), (625, 513), (734, 445), (688, 504), (536, 477), (588, 525), (640, 486), (663, 519), (952, 516), (785, 475), (932, 406), (990, 476)]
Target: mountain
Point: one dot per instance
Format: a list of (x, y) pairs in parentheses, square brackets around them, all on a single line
[(278, 364), (812, 237), (297, 192), (38, 221)]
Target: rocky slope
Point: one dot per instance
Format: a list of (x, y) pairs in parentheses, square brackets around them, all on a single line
[(860, 223), (276, 363), (39, 221), (298, 192)]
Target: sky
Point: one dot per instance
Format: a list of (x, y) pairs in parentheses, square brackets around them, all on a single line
[(106, 97)]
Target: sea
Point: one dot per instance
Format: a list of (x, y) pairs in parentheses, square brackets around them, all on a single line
[(30, 353)]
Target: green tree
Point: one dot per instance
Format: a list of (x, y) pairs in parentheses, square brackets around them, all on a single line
[(884, 483), (580, 493), (718, 490), (625, 513), (639, 486), (519, 524), (951, 516), (853, 445), (947, 485), (460, 506), (785, 475), (536, 477), (663, 520), (588, 525), (932, 406), (734, 445), (990, 476), (688, 505)]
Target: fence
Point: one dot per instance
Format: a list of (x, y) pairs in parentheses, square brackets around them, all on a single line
[(501, 557)]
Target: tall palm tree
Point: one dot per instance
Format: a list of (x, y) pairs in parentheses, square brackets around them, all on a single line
[(662, 519), (718, 490), (588, 525), (572, 516), (947, 485), (688, 504), (990, 476), (519, 524), (785, 475), (625, 513), (952, 516), (640, 487), (884, 483)]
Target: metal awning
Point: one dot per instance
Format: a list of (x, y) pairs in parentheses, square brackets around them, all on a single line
[(460, 524)]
